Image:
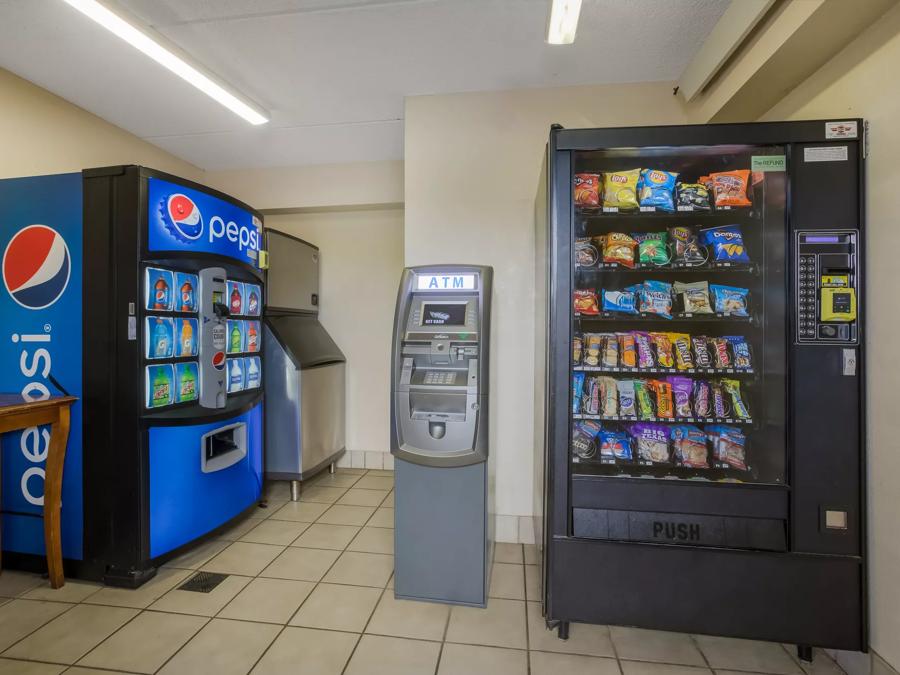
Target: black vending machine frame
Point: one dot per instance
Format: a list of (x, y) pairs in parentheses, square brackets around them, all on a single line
[(116, 423), (813, 592)]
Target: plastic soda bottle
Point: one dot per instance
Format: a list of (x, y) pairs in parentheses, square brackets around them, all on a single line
[(161, 339), (235, 339), (252, 338), (187, 338), (160, 389), (235, 376), (187, 297), (252, 374), (252, 302), (187, 386), (160, 294), (235, 300)]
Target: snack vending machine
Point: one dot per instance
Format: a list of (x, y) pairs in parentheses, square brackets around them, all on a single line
[(141, 294), (701, 289)]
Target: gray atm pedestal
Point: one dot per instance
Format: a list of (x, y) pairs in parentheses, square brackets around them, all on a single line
[(443, 537)]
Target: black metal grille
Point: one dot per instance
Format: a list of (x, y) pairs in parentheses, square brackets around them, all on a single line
[(203, 582)]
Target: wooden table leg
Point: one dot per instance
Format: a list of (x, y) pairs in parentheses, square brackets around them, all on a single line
[(56, 459)]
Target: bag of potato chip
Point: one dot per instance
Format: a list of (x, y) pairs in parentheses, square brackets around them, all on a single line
[(620, 189)]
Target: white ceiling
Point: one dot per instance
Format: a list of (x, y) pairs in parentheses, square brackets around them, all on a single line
[(333, 73)]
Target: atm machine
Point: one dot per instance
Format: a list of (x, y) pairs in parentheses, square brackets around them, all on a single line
[(443, 473)]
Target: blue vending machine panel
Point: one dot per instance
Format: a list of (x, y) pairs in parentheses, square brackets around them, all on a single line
[(181, 218), (41, 307), (198, 482)]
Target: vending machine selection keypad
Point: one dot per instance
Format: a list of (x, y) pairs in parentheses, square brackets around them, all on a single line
[(806, 302)]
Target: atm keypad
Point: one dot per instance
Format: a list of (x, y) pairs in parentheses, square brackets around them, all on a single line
[(438, 377)]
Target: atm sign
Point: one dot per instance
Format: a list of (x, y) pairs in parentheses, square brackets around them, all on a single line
[(445, 282)]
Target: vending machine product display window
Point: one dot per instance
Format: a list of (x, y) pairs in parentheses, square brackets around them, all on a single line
[(701, 289)]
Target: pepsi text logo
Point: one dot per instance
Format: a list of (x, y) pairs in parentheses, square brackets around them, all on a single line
[(36, 267), (34, 442), (243, 236)]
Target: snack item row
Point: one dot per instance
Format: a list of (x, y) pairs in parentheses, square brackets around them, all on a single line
[(658, 189), (678, 245), (658, 297), (640, 349), (670, 398), (687, 445)]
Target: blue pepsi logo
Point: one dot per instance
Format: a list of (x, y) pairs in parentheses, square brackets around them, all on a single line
[(36, 266), (182, 218)]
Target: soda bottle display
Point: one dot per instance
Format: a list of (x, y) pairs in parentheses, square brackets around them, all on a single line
[(235, 345), (161, 340), (186, 377), (187, 297), (253, 300), (235, 304), (161, 387), (187, 338), (252, 336), (235, 375), (161, 294), (251, 365)]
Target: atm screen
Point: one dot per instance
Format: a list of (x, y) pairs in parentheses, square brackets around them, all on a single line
[(443, 314)]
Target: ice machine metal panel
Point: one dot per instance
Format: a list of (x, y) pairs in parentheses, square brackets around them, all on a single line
[(293, 280)]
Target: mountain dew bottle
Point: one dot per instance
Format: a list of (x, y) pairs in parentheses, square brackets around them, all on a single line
[(161, 388), (235, 339)]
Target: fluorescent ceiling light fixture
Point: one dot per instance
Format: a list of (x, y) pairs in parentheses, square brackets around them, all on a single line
[(563, 21), (141, 40)]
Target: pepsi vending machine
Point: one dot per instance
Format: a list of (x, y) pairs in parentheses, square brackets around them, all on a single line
[(140, 293)]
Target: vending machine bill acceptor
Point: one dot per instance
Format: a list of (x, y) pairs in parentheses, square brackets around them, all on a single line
[(439, 435)]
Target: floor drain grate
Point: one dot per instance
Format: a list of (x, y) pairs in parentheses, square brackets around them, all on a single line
[(203, 582)]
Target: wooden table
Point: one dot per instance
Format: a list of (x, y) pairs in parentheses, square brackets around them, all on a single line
[(16, 413)]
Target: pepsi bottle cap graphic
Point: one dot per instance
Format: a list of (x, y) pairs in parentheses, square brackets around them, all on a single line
[(181, 217), (36, 266)]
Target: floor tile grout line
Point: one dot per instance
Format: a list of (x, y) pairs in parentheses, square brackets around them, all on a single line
[(612, 644), (54, 618), (696, 643), (527, 630), (368, 621), (185, 643)]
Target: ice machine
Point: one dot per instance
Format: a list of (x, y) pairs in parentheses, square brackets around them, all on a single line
[(305, 373)]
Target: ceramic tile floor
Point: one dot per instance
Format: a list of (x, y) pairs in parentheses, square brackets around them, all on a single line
[(310, 592)]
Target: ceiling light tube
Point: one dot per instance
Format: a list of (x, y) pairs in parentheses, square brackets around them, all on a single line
[(142, 40), (563, 21)]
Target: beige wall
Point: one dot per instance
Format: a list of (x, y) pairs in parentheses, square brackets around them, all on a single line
[(861, 81), (41, 134), (361, 261), (472, 166), (315, 187)]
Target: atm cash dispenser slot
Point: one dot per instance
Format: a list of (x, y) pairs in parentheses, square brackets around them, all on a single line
[(827, 281)]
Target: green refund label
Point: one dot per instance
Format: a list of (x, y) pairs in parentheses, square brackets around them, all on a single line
[(768, 163)]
